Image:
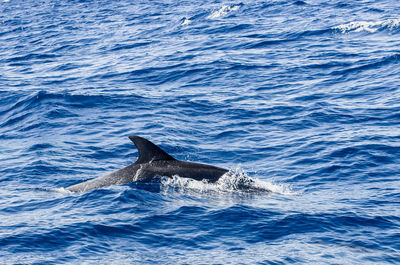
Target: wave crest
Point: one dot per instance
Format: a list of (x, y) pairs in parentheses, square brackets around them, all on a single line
[(358, 26), (223, 11)]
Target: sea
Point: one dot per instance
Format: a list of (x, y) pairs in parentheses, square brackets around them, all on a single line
[(298, 99)]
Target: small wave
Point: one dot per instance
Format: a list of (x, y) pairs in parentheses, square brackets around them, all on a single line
[(235, 181), (57, 190), (358, 26), (185, 21), (223, 11)]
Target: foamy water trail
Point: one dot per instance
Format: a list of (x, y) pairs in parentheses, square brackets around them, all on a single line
[(61, 190), (369, 26), (235, 181)]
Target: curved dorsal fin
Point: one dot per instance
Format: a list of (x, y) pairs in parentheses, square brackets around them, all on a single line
[(148, 151)]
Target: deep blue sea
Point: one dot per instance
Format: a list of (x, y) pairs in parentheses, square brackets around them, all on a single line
[(300, 99)]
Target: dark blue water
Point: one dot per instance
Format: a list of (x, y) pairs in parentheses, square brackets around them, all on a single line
[(301, 98)]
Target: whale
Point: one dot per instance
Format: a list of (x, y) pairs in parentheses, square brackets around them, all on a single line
[(152, 162)]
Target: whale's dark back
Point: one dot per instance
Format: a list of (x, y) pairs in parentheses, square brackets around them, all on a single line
[(185, 169), (152, 161)]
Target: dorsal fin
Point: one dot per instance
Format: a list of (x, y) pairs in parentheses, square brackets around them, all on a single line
[(148, 151)]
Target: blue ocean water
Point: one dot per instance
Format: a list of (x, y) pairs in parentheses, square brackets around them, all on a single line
[(301, 98)]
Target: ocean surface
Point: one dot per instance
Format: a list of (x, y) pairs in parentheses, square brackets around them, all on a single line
[(300, 100)]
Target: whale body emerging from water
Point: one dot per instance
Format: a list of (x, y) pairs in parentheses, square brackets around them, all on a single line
[(152, 162)]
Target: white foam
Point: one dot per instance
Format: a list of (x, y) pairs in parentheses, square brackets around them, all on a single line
[(185, 21), (223, 11), (358, 26), (234, 181), (61, 190)]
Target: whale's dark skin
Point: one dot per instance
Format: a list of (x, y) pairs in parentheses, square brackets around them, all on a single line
[(152, 162)]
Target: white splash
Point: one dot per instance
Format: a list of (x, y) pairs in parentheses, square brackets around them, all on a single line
[(185, 21), (235, 181), (223, 11), (61, 190), (358, 26)]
